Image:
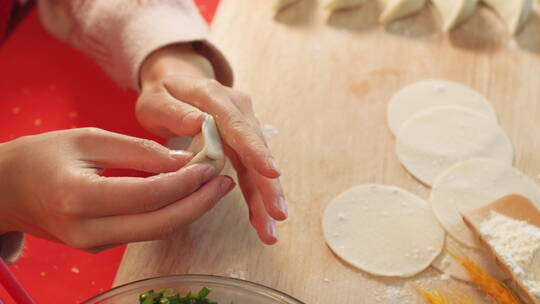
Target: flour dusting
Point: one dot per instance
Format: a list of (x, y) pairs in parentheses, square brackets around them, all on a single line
[(270, 131), (517, 243)]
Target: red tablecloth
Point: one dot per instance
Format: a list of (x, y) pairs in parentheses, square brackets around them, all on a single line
[(45, 86)]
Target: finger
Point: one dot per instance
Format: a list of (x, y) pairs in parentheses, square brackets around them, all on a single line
[(168, 116), (210, 97), (107, 196), (244, 104), (271, 194), (269, 190), (163, 222), (112, 150), (264, 226)]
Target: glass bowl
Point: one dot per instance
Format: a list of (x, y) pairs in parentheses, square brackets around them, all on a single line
[(224, 290)]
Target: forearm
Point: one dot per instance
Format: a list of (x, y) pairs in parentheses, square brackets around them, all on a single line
[(6, 183), (120, 35), (11, 242), (177, 59)]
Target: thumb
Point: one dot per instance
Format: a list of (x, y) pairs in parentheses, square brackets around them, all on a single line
[(167, 116)]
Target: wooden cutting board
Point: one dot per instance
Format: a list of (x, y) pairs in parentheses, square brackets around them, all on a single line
[(323, 81)]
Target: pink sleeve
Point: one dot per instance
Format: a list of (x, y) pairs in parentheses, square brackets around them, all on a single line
[(120, 34), (11, 246)]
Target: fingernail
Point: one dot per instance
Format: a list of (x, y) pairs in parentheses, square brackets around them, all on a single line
[(209, 172), (272, 164), (282, 206), (181, 154), (192, 118), (226, 185), (272, 230)]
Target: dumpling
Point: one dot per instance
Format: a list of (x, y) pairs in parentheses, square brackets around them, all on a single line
[(207, 145), (342, 4), (396, 9), (514, 12), (454, 12), (280, 4)]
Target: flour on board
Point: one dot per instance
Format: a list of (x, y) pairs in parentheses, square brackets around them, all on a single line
[(516, 242)]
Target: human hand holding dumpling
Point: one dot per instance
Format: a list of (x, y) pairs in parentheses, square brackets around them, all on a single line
[(177, 90)]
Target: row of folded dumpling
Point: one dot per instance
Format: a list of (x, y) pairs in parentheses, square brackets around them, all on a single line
[(453, 12)]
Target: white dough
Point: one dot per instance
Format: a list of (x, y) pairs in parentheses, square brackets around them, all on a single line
[(426, 94), (513, 12), (342, 4), (435, 139), (382, 230), (395, 9), (472, 184), (206, 145), (280, 4), (481, 257), (454, 12)]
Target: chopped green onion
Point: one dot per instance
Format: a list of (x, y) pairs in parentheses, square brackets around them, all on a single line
[(166, 296)]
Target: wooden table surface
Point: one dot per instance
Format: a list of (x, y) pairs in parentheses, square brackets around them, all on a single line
[(323, 80)]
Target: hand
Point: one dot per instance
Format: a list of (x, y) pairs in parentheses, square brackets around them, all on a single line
[(51, 187), (177, 84)]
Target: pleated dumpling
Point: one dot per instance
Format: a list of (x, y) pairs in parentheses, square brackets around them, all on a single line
[(207, 145), (454, 12), (342, 4), (395, 9), (513, 12)]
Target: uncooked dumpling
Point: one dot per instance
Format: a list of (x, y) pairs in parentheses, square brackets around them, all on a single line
[(396, 9), (382, 230), (472, 184), (481, 257), (342, 4), (513, 12), (426, 94), (453, 12), (280, 4), (206, 145), (433, 140)]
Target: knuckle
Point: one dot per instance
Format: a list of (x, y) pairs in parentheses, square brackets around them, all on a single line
[(245, 99), (243, 102), (238, 124), (211, 197), (170, 109), (90, 131), (69, 207), (210, 86), (66, 203), (85, 136), (148, 145)]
